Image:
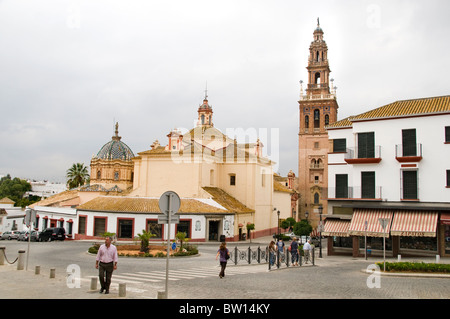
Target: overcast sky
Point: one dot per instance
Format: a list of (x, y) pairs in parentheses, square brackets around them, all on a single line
[(69, 69)]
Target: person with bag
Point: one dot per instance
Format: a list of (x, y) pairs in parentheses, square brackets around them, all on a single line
[(294, 251), (224, 256)]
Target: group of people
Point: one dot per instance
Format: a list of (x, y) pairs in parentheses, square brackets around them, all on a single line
[(293, 249)]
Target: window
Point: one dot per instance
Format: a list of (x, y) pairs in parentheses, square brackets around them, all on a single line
[(307, 121), (184, 227), (316, 198), (232, 179), (211, 177), (327, 119), (409, 184), (447, 134), (341, 186), (448, 178), (99, 226), (367, 184), (409, 145), (99, 174), (125, 228), (316, 118), (339, 145), (154, 228), (366, 145), (116, 176)]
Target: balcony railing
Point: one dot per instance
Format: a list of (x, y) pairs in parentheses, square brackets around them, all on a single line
[(363, 156), (408, 153), (354, 193)]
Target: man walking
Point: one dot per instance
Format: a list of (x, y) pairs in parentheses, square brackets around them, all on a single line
[(106, 263), (307, 250)]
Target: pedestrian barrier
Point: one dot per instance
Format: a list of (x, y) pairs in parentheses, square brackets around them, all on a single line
[(3, 257), (279, 259)]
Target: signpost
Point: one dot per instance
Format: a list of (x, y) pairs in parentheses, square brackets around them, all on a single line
[(169, 204), (30, 219), (384, 222)]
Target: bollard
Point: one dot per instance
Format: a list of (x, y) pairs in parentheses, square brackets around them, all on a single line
[(37, 270), (122, 289), (2, 255), (21, 260), (52, 272), (399, 258), (438, 259), (93, 283)]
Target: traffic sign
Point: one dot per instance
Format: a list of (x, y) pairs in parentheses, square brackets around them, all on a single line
[(169, 199), (174, 219), (384, 222)]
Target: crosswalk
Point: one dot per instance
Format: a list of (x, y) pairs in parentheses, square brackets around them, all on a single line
[(157, 276)]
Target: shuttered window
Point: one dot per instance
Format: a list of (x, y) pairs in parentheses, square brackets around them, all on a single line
[(99, 226), (339, 145), (409, 142), (409, 185), (448, 178), (367, 184), (341, 186), (82, 225), (366, 145), (447, 134)]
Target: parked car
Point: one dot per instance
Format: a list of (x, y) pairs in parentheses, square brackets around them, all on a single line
[(24, 236), (49, 234), (10, 235)]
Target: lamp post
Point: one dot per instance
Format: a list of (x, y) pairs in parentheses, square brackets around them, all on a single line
[(306, 215), (278, 213), (320, 230)]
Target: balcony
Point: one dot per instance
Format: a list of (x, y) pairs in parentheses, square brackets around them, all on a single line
[(355, 193), (408, 153), (363, 156)]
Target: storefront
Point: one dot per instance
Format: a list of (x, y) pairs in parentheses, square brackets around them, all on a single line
[(407, 233)]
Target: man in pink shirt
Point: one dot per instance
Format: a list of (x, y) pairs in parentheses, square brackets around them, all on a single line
[(106, 263)]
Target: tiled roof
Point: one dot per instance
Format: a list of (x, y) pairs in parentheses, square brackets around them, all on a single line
[(407, 108), (57, 198), (404, 108), (6, 200), (145, 205), (227, 201)]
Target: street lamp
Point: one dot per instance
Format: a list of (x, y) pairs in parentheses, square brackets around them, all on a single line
[(320, 230), (278, 213), (306, 215)]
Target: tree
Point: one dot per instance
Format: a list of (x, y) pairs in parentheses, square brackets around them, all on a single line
[(14, 189), (145, 237), (302, 228), (181, 236), (77, 175)]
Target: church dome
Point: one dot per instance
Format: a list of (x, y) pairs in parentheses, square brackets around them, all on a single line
[(115, 149)]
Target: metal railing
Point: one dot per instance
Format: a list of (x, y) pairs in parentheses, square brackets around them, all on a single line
[(279, 259)]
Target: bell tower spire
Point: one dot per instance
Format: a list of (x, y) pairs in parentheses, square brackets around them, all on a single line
[(205, 112)]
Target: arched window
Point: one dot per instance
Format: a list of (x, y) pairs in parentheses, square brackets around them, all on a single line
[(316, 118), (307, 121), (203, 119), (316, 198), (327, 119), (317, 78), (99, 174)]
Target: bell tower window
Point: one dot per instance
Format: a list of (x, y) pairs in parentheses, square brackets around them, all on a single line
[(317, 78), (316, 118)]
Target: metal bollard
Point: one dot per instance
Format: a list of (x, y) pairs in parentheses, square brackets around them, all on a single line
[(37, 270), (122, 289), (438, 259), (399, 258), (93, 283), (21, 260), (52, 272), (2, 255)]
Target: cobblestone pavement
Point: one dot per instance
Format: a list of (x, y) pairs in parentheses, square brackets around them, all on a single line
[(331, 278)]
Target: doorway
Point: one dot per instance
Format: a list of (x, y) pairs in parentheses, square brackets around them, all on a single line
[(213, 230)]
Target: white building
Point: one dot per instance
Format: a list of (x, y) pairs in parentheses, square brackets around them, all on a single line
[(45, 189), (11, 218), (391, 162)]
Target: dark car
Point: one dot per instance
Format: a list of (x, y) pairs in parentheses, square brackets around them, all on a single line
[(49, 234)]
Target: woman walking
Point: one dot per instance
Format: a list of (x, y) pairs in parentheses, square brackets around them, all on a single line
[(224, 255), (272, 251)]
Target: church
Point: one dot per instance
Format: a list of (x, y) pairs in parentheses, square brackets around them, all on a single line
[(223, 185)]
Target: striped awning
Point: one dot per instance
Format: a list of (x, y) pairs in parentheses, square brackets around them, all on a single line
[(371, 216), (336, 227), (414, 223)]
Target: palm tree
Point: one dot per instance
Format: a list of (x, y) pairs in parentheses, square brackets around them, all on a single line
[(77, 175)]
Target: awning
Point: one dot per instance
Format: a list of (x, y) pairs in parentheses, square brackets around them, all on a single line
[(372, 216), (336, 227), (414, 223), (445, 218)]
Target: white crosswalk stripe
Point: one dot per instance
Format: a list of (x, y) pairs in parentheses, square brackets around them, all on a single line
[(182, 274)]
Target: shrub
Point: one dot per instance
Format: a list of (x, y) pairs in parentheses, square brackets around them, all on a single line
[(416, 267)]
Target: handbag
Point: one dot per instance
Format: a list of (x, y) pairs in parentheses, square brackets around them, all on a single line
[(227, 256)]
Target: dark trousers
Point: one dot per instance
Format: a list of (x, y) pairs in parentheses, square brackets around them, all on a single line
[(105, 269), (223, 265)]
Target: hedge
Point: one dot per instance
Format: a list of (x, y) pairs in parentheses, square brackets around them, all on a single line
[(416, 267)]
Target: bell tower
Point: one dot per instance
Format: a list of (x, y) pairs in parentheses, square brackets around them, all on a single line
[(318, 108)]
